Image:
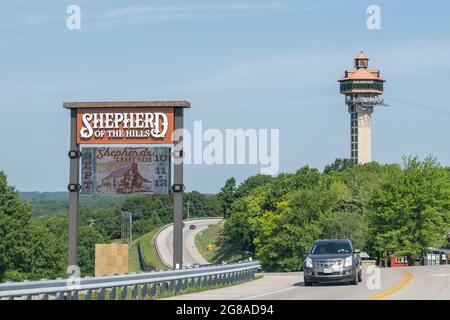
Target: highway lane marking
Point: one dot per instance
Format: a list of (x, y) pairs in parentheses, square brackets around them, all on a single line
[(404, 281), (267, 293)]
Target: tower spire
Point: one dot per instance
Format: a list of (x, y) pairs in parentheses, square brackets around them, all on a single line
[(361, 61)]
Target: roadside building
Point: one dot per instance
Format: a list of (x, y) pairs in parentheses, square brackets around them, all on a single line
[(436, 256)]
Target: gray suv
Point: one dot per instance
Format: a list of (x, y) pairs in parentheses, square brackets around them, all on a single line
[(332, 261)]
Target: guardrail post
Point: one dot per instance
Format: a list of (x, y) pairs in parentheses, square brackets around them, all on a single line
[(161, 288), (60, 296), (112, 293), (154, 289), (134, 292), (178, 285), (74, 296), (124, 293), (88, 295), (101, 294), (144, 291)]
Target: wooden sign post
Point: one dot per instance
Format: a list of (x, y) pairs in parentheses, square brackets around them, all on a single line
[(154, 122)]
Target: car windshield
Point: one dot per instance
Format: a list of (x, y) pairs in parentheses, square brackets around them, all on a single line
[(331, 248)]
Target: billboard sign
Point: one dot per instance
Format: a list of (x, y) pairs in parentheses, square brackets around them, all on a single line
[(127, 170), (125, 126)]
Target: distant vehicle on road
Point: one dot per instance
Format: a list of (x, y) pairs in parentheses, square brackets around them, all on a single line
[(332, 261), (192, 227)]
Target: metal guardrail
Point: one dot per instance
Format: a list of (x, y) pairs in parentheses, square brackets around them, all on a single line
[(143, 285)]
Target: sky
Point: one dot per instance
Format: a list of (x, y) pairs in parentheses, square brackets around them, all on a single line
[(241, 64)]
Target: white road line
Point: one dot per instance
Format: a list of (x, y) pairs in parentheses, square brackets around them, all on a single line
[(267, 293), (439, 275)]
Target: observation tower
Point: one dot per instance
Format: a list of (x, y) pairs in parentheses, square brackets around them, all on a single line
[(362, 89)]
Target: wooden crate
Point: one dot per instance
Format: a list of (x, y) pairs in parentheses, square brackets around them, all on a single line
[(111, 259)]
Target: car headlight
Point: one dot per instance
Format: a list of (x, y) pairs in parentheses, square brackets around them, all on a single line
[(348, 261), (308, 263)]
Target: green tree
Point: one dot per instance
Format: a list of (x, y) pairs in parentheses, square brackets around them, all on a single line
[(339, 165), (226, 196), (345, 225), (88, 238), (250, 184), (27, 249), (410, 210)]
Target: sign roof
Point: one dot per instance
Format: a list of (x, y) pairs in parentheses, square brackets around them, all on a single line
[(127, 104)]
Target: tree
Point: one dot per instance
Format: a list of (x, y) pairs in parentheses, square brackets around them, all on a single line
[(410, 210), (339, 165), (345, 225), (27, 249), (88, 238), (283, 235), (250, 184), (226, 196)]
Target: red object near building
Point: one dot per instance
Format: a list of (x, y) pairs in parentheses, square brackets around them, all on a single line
[(401, 261)]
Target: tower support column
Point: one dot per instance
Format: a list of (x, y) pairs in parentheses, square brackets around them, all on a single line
[(360, 134)]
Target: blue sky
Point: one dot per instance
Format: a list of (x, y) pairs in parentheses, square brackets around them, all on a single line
[(242, 64)]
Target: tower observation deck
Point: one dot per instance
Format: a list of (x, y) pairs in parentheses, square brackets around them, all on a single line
[(362, 89)]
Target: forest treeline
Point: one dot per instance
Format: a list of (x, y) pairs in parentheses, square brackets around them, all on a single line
[(386, 210)]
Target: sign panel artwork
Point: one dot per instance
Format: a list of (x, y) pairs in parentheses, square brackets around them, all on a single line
[(125, 126), (125, 170)]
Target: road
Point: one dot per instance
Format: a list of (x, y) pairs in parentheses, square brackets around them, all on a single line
[(164, 242), (431, 282)]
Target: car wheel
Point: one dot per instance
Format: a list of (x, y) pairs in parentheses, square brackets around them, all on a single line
[(360, 276), (355, 279)]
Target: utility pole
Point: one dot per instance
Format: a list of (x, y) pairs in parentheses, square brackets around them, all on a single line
[(131, 230), (127, 227)]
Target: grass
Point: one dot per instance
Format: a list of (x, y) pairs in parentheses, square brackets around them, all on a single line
[(206, 238), (149, 250)]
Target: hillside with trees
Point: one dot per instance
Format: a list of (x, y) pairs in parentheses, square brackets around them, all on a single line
[(386, 210), (33, 227)]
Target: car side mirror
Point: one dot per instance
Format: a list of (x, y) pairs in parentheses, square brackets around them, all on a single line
[(357, 251)]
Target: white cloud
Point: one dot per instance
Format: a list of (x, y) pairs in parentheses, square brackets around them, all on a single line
[(188, 10)]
